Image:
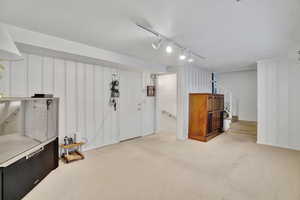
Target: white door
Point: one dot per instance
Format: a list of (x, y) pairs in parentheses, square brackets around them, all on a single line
[(130, 105)]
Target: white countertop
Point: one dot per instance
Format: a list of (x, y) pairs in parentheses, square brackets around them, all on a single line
[(14, 147), (5, 99)]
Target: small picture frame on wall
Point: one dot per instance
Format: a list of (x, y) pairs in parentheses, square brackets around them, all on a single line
[(150, 91)]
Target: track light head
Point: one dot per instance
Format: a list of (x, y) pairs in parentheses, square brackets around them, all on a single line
[(190, 60), (190, 57), (173, 43), (156, 44), (169, 49), (183, 55)]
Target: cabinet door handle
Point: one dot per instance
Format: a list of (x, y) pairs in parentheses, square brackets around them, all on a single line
[(35, 153), (36, 181)]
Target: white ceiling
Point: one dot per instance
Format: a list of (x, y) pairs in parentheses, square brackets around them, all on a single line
[(231, 35)]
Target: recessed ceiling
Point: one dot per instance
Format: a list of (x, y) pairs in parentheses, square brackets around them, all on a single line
[(232, 35)]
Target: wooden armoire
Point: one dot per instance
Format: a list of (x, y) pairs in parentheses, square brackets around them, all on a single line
[(205, 116)]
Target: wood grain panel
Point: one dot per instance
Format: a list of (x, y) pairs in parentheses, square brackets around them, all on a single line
[(198, 115)]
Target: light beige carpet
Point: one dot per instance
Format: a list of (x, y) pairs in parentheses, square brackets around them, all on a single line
[(158, 167)]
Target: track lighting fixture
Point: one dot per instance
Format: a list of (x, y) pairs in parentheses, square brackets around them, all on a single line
[(156, 44), (298, 52), (169, 49), (172, 43)]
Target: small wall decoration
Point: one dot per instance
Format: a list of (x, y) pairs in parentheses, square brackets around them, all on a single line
[(115, 93), (150, 91)]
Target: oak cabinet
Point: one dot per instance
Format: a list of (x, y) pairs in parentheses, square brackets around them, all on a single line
[(205, 116)]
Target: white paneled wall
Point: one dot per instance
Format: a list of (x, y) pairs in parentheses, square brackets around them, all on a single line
[(149, 107), (189, 80), (198, 80), (84, 92), (243, 86), (278, 103)]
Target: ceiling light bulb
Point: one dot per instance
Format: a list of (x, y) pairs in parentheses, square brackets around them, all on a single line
[(156, 44), (182, 57), (169, 49), (190, 60), (183, 54)]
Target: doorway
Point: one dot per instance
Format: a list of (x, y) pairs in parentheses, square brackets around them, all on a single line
[(167, 103)]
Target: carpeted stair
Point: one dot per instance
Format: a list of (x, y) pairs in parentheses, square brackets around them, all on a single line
[(243, 127)]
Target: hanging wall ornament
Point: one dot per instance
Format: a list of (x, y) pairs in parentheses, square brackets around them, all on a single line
[(114, 91)]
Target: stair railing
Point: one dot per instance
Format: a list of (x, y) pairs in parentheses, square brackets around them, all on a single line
[(168, 114), (7, 111)]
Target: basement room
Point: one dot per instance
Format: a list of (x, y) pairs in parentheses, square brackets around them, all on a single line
[(149, 100)]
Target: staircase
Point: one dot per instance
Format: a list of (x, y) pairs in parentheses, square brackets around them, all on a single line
[(234, 118), (167, 122), (8, 121), (243, 127), (231, 106), (168, 114), (231, 103)]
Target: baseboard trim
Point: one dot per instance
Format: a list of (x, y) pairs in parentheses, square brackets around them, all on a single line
[(126, 140), (99, 146), (279, 146), (247, 121)]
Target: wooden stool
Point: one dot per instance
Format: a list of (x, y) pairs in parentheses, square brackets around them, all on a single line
[(74, 155)]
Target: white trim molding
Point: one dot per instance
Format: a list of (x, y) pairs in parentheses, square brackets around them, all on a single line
[(42, 44)]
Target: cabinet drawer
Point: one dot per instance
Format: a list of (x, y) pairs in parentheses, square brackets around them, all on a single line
[(22, 176)]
